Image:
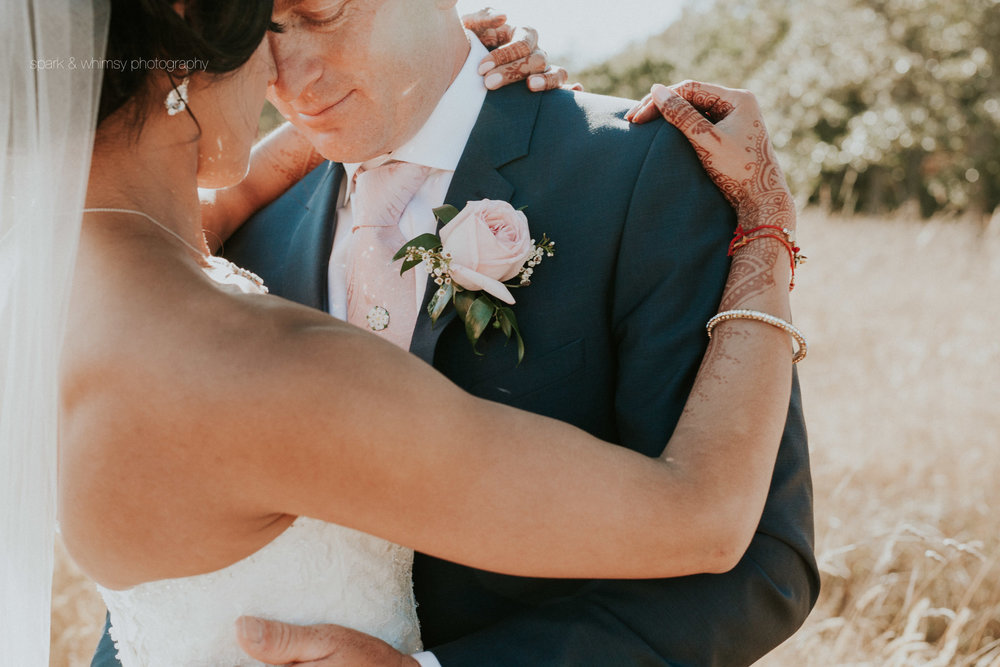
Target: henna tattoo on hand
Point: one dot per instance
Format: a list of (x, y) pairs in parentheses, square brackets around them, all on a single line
[(690, 121), (756, 188), (514, 51), (711, 105), (552, 78), (535, 63), (489, 28)]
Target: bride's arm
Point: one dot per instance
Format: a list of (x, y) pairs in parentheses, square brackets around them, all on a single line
[(277, 162), (420, 462), (277, 410), (275, 642)]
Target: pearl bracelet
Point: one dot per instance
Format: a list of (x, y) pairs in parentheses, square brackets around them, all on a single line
[(799, 355)]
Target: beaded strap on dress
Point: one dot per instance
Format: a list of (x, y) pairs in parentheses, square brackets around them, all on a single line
[(225, 272)]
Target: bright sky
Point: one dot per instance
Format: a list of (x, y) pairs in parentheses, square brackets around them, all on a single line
[(583, 32)]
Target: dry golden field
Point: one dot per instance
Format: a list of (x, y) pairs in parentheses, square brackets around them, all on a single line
[(903, 405)]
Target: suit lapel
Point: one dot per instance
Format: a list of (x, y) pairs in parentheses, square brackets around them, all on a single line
[(501, 135), (312, 241)]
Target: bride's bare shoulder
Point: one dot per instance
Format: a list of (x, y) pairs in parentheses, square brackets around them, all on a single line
[(195, 415), (159, 362)]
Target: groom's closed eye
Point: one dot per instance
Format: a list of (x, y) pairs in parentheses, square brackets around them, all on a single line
[(324, 18), (312, 13)]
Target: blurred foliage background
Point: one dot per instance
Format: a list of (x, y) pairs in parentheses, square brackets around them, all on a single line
[(873, 105)]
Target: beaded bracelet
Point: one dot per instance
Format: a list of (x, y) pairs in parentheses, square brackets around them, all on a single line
[(799, 355)]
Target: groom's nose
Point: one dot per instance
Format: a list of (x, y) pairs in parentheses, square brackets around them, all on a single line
[(295, 67)]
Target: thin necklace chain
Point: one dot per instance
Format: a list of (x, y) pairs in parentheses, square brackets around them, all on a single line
[(200, 253)]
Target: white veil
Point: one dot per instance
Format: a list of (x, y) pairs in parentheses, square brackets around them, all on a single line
[(49, 56)]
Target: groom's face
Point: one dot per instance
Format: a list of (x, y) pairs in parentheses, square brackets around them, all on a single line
[(357, 77)]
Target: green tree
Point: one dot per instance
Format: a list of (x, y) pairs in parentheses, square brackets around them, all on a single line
[(872, 104)]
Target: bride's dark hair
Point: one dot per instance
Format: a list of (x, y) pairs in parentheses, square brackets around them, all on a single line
[(215, 36)]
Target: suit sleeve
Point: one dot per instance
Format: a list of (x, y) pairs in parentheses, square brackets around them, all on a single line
[(106, 654), (672, 266)]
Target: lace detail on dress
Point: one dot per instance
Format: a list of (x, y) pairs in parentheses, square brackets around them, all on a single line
[(314, 572)]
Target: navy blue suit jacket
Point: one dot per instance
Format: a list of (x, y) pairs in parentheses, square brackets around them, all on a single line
[(614, 331)]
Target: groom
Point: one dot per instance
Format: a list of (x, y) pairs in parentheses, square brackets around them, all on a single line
[(613, 324)]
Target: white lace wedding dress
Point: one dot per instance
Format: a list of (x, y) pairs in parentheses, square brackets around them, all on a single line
[(314, 572)]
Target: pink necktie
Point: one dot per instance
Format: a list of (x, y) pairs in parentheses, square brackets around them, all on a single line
[(378, 298)]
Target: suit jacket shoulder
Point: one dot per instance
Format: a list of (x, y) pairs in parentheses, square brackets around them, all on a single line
[(288, 242)]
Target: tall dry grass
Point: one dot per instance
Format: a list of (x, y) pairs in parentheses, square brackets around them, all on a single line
[(902, 401), (903, 406)]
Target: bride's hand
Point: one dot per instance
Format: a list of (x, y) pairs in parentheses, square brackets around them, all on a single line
[(727, 132), (514, 54), (277, 643), (490, 27)]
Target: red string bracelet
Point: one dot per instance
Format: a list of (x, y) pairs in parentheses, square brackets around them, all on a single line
[(742, 237)]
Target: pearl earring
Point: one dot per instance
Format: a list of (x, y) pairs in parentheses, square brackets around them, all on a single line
[(177, 98)]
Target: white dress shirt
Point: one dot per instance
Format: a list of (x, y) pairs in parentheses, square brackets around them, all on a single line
[(439, 144)]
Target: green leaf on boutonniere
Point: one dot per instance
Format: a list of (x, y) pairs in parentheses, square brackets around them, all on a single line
[(427, 241), (445, 213), (409, 264), (476, 312), (463, 301), (478, 319), (440, 301), (508, 324)]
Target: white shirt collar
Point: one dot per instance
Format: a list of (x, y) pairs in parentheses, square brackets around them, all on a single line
[(439, 144)]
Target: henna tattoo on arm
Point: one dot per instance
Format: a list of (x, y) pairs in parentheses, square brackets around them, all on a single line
[(739, 396), (293, 165), (739, 159), (712, 371), (751, 274)]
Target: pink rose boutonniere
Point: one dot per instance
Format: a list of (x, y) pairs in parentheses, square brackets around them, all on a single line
[(483, 252)]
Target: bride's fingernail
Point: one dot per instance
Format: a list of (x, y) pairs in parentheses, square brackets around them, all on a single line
[(485, 67), (493, 81), (661, 94), (536, 82), (252, 629)]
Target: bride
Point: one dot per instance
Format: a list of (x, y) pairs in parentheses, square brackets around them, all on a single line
[(242, 470)]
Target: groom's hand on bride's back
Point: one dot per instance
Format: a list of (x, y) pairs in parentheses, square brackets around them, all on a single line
[(277, 643)]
